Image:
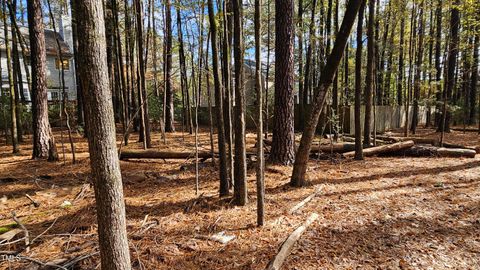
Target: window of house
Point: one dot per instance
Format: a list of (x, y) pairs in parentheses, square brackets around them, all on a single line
[(66, 64), (54, 95)]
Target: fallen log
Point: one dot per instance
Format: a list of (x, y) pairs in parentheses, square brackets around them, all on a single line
[(383, 149), (303, 202), (452, 145), (466, 129), (414, 151), (417, 140), (287, 246), (153, 154), (432, 151), (335, 148), (456, 152)]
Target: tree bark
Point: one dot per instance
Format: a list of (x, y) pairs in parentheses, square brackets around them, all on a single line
[(43, 140), (283, 151), (418, 69), (224, 181), (105, 167), (142, 90), (401, 59), (17, 73), (169, 114), (383, 149), (358, 85), (301, 75), (474, 78), (370, 76), (300, 166), (260, 173), (451, 66), (438, 64), (240, 166)]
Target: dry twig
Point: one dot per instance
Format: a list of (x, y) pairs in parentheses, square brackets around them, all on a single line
[(27, 239)]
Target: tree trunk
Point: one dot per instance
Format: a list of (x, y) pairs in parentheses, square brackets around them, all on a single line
[(64, 93), (17, 74), (418, 69), (80, 118), (430, 68), (307, 77), (358, 84), (169, 113), (370, 76), (114, 252), (301, 75), (383, 149), (240, 168), (401, 57), (300, 166), (258, 85), (142, 88), (183, 75), (224, 181), (283, 151), (43, 140), (227, 83), (451, 66), (438, 64), (474, 78)]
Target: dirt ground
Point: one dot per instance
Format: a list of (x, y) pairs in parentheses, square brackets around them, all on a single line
[(381, 213)]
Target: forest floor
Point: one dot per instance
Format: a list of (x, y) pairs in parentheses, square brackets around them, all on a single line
[(380, 213)]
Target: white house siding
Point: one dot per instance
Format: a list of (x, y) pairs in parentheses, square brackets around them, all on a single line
[(53, 78)]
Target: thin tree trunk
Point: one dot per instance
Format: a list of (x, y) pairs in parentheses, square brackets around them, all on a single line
[(169, 116), (451, 66), (227, 99), (334, 59), (358, 85), (13, 102), (474, 78), (401, 64), (267, 72), (143, 100), (64, 92), (411, 57), (224, 181), (240, 168), (370, 76), (258, 86), (301, 75), (80, 118), (418, 69), (183, 77), (438, 64), (209, 101)]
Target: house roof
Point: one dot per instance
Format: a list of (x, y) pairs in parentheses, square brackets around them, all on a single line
[(50, 41)]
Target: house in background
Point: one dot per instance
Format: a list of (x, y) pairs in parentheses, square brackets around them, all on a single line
[(54, 81)]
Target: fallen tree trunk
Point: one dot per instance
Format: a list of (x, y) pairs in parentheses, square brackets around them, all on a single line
[(152, 154), (456, 152), (416, 140), (432, 151), (326, 148), (335, 148), (466, 129), (383, 149), (452, 145), (287, 246)]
